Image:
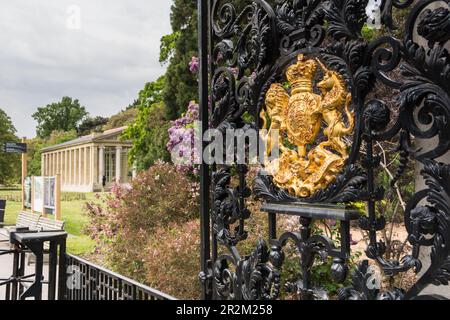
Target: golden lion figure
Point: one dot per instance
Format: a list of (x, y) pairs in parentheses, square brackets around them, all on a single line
[(298, 117)]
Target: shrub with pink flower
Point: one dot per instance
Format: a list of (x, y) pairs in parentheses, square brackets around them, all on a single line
[(181, 143), (194, 65), (121, 222)]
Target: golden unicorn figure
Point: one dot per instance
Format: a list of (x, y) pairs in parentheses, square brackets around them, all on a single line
[(298, 117), (335, 96)]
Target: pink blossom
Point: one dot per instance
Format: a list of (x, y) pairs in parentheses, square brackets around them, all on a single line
[(194, 65)]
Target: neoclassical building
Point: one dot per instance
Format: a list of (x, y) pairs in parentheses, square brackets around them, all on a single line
[(89, 163)]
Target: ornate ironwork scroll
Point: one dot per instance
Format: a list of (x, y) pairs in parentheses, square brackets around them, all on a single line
[(272, 60)]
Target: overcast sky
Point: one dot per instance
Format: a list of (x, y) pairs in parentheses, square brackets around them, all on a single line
[(99, 51)]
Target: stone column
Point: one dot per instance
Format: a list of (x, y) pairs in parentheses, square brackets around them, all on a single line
[(94, 163), (58, 163), (75, 166), (53, 164), (61, 163), (118, 163), (66, 171), (42, 164), (80, 167), (49, 164), (63, 167), (85, 166), (101, 164), (70, 167)]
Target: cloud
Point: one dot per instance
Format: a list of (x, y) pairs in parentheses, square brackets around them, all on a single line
[(104, 61)]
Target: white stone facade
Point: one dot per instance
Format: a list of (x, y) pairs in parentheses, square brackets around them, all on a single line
[(89, 163)]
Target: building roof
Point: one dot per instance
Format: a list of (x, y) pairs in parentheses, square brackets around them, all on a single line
[(93, 137)]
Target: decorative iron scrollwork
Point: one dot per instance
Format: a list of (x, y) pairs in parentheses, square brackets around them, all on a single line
[(253, 45)]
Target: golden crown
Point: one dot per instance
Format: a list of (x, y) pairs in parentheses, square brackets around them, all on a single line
[(300, 74)]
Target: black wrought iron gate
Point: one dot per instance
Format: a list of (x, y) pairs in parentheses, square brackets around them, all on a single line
[(304, 67)]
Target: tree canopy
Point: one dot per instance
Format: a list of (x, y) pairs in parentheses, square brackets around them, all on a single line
[(123, 118), (9, 163), (37, 144), (65, 115), (149, 131), (178, 48), (90, 124)]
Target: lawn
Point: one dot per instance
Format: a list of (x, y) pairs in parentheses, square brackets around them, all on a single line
[(72, 214)]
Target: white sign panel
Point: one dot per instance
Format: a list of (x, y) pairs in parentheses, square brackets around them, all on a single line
[(38, 191)]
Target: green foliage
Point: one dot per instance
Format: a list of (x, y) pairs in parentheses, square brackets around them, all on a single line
[(134, 104), (91, 124), (9, 163), (37, 144), (149, 135), (123, 118), (73, 196), (181, 85), (399, 17), (149, 131), (149, 231), (367, 32), (248, 118), (65, 115), (167, 47), (152, 93)]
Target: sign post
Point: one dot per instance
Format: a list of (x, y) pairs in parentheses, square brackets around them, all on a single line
[(24, 172), (15, 147)]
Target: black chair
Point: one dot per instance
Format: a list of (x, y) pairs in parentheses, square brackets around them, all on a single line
[(3, 237), (2, 211)]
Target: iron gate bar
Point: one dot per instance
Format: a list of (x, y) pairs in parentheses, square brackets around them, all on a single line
[(316, 211), (205, 237)]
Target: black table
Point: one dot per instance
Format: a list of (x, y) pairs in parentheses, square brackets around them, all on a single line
[(34, 242)]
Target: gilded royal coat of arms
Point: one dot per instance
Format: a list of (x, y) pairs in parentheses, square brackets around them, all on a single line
[(299, 117)]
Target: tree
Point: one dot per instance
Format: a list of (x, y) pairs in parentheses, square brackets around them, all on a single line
[(65, 115), (9, 163), (152, 93), (133, 105), (90, 124), (37, 144), (123, 118), (179, 47), (167, 46), (149, 131), (149, 135)]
